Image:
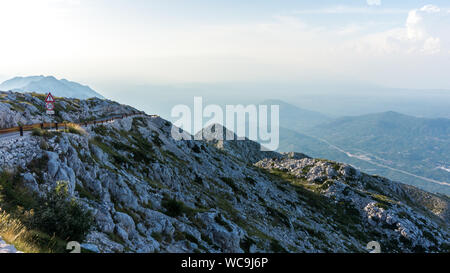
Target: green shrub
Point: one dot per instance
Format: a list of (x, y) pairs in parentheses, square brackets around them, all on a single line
[(139, 155), (191, 238), (156, 140), (157, 236), (44, 145), (17, 209), (198, 179), (176, 208), (276, 247), (41, 132), (38, 166), (229, 182), (250, 180), (233, 185), (37, 132), (100, 130), (13, 194), (246, 244), (198, 159), (173, 207), (60, 215), (278, 217), (196, 149)]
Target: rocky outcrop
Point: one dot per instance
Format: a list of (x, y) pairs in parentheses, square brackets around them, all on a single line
[(18, 108), (385, 206), (239, 147)]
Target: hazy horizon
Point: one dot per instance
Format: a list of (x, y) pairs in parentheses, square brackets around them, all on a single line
[(332, 99)]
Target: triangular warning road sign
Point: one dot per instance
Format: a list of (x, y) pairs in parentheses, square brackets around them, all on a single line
[(49, 98)]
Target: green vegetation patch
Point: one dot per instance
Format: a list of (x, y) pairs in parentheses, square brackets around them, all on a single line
[(40, 224), (61, 215), (175, 208), (100, 130), (279, 217), (38, 166)]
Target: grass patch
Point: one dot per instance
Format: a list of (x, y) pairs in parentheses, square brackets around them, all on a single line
[(233, 185), (14, 232), (383, 201), (279, 218), (85, 193), (157, 236), (75, 129), (40, 132), (117, 158)]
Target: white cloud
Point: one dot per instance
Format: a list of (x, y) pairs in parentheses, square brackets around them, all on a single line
[(430, 9), (423, 33), (373, 2), (350, 29), (414, 26), (351, 10), (432, 46), (418, 29)]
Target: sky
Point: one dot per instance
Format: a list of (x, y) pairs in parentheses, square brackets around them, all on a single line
[(393, 43)]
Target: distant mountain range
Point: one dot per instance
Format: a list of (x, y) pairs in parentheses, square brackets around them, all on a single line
[(294, 117), (43, 84), (404, 148), (388, 124)]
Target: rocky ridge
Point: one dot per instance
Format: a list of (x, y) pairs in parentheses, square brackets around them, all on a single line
[(29, 108)]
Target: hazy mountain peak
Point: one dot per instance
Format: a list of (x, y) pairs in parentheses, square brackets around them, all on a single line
[(45, 84), (19, 82), (290, 108), (292, 116)]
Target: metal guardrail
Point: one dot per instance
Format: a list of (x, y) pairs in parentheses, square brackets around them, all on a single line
[(56, 125)]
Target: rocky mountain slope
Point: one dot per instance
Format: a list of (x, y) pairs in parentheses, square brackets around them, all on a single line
[(29, 108), (43, 85), (150, 193)]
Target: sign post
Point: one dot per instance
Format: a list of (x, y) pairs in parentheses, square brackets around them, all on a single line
[(50, 104)]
